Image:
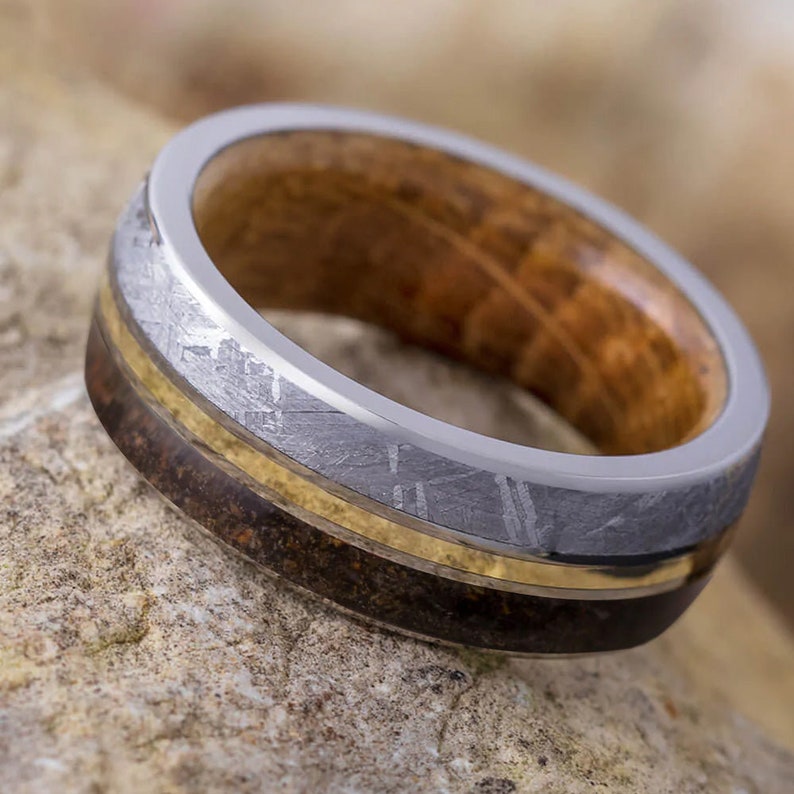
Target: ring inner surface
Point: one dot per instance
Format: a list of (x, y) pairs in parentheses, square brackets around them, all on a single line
[(471, 263)]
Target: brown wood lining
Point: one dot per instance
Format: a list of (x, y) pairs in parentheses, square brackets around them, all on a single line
[(469, 262)]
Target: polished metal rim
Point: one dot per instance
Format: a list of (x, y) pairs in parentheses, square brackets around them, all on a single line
[(728, 441)]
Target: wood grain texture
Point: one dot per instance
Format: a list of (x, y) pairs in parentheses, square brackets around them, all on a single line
[(471, 263)]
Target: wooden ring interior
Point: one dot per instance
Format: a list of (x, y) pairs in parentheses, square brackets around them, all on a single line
[(469, 262)]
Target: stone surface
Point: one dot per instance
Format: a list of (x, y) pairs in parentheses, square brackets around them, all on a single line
[(137, 655)]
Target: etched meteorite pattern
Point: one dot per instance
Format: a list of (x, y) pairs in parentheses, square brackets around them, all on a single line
[(524, 516)]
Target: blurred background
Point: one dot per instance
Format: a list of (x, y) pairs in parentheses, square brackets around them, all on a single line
[(680, 111)]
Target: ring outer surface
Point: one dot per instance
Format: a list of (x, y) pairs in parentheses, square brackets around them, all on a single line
[(558, 589)]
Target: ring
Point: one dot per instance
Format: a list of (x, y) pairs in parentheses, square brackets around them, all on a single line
[(396, 517)]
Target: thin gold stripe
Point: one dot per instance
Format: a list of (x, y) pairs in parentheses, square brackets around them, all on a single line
[(397, 537)]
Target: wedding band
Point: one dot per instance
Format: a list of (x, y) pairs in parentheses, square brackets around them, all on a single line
[(394, 516)]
